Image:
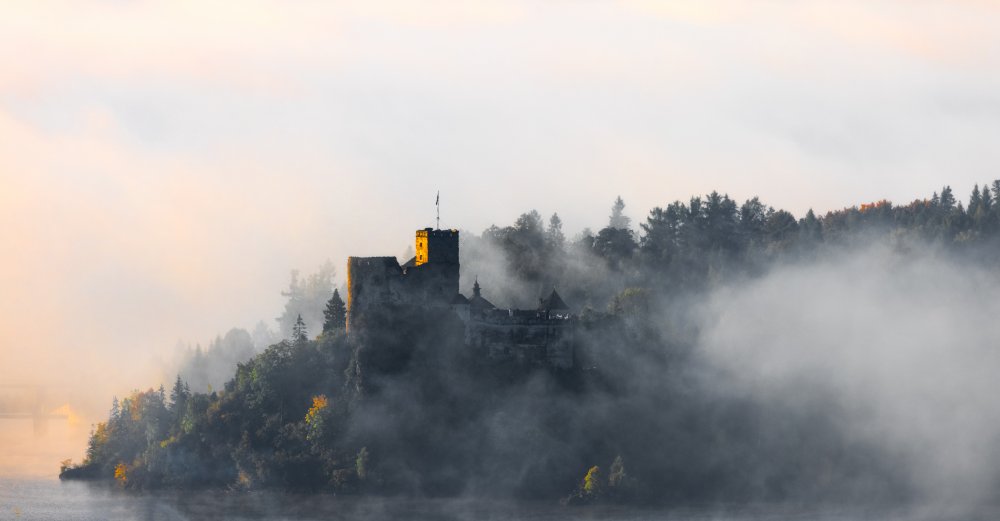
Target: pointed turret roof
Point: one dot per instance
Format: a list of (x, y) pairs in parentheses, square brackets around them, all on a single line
[(553, 303), (477, 302)]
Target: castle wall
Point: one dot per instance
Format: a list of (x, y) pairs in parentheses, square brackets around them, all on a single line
[(432, 284), (372, 282), (380, 282), (529, 341)]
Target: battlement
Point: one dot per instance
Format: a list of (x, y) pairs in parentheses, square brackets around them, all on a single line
[(436, 246), (383, 287), (429, 279)]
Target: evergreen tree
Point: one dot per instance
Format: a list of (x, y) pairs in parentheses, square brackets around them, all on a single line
[(262, 336), (615, 245), (524, 244), (659, 239), (753, 220), (307, 297), (810, 228), (721, 222), (618, 219), (299, 333), (179, 396), (335, 313), (975, 200), (781, 226), (947, 199), (554, 235), (986, 218), (617, 476)]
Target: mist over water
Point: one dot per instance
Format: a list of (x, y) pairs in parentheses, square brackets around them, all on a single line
[(893, 345), (46, 500), (898, 350)]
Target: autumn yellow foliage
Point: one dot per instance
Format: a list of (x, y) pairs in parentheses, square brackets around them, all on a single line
[(592, 481), (121, 474), (314, 417), (319, 403)]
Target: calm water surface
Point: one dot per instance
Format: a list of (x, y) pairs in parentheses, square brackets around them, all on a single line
[(37, 499)]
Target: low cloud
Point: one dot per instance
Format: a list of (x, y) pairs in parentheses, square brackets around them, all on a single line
[(899, 349)]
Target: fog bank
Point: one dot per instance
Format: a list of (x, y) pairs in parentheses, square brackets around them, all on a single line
[(899, 350)]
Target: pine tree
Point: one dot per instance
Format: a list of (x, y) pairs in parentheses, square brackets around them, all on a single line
[(179, 395), (299, 333), (618, 219), (554, 235), (617, 476), (335, 313), (975, 200), (263, 336), (810, 227), (307, 296), (947, 199)]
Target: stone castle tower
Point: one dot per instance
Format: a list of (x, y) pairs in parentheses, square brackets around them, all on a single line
[(430, 278), (379, 287)]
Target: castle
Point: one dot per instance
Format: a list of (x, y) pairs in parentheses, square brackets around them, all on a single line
[(542, 336)]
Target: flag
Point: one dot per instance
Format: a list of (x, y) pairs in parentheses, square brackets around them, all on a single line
[(437, 200)]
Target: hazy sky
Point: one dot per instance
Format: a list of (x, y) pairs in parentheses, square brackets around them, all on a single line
[(164, 164)]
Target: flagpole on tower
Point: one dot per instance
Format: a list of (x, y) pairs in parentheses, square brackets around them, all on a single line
[(437, 202)]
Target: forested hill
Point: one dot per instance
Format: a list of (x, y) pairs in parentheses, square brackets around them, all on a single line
[(640, 418)]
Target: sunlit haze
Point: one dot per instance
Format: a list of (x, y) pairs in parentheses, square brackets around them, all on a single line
[(164, 165)]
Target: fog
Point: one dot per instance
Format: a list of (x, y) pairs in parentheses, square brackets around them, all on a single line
[(899, 349), (155, 191)]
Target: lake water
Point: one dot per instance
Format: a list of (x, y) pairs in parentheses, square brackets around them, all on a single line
[(48, 499)]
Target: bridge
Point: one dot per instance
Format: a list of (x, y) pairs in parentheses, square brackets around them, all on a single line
[(28, 402)]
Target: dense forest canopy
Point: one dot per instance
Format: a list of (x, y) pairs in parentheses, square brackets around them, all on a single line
[(647, 414)]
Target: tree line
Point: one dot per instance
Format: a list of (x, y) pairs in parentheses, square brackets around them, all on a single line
[(408, 409)]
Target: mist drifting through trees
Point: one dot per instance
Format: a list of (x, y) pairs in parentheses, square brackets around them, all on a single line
[(729, 352)]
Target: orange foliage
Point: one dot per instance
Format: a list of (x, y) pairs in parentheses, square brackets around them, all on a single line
[(319, 403), (121, 474), (877, 205)]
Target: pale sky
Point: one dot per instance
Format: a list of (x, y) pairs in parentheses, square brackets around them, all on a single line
[(163, 165)]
